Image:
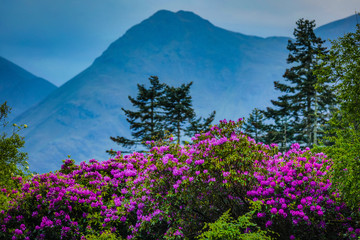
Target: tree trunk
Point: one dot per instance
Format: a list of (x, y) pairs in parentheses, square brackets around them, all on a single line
[(315, 121), (178, 132)]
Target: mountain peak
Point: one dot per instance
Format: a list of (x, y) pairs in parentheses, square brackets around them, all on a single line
[(183, 15), (159, 30), (166, 17)]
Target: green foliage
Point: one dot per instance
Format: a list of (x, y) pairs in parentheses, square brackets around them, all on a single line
[(198, 125), (107, 235), (255, 126), (12, 161), (146, 123), (228, 228), (340, 70), (162, 109), (279, 131), (298, 114), (177, 104)]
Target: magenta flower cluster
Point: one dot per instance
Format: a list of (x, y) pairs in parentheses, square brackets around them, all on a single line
[(171, 191), (296, 192)]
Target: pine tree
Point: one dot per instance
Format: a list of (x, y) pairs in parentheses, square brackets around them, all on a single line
[(302, 109), (198, 125), (177, 105), (255, 126), (146, 122)]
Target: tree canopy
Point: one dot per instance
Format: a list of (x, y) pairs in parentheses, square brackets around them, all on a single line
[(340, 70)]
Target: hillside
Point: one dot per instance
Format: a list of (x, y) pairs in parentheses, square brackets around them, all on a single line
[(20, 88)]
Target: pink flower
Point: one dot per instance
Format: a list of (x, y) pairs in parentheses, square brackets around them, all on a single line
[(199, 162), (268, 223), (226, 174), (273, 210)]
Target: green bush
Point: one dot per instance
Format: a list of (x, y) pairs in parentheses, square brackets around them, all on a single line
[(107, 235), (228, 228)]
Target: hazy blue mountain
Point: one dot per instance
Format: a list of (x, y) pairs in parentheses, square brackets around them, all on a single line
[(338, 28), (232, 74), (20, 88)]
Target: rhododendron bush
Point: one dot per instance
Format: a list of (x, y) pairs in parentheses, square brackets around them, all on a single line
[(171, 191)]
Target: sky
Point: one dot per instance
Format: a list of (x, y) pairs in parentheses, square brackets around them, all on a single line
[(57, 39)]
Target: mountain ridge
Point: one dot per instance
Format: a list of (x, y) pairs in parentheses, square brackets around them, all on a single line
[(20, 88), (338, 28)]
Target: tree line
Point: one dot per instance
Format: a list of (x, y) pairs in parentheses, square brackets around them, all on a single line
[(162, 109)]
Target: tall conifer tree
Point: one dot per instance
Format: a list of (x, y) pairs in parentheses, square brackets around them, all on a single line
[(177, 104), (146, 122), (302, 109)]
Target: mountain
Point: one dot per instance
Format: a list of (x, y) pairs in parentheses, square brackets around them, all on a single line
[(232, 74), (20, 88), (338, 28)]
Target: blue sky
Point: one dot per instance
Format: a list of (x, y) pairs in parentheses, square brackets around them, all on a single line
[(57, 39)]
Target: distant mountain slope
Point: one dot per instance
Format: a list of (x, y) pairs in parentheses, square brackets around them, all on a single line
[(338, 28), (232, 74), (20, 88)]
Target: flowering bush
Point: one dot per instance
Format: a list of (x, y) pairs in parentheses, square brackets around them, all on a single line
[(297, 199), (171, 191)]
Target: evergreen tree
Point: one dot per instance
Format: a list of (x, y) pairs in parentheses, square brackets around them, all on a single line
[(177, 105), (161, 108), (279, 130), (146, 122), (302, 109), (198, 125), (255, 126)]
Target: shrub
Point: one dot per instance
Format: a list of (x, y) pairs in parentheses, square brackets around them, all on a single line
[(173, 191), (298, 198), (227, 228)]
